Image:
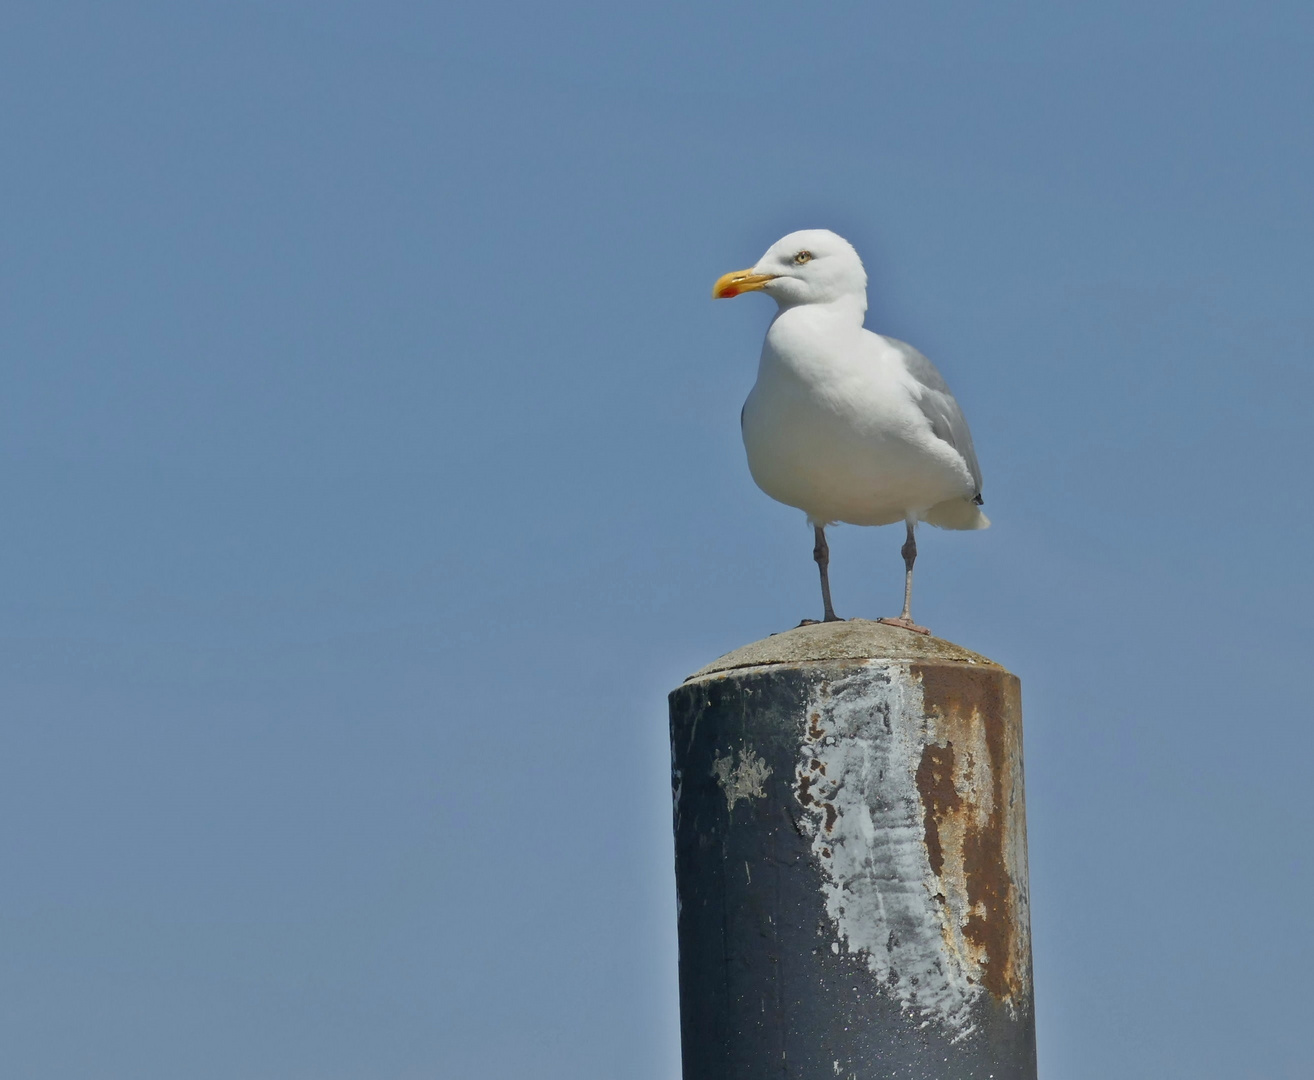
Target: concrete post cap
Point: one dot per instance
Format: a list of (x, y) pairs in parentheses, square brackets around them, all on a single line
[(851, 639)]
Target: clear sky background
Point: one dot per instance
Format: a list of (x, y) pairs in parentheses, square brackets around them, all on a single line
[(370, 466)]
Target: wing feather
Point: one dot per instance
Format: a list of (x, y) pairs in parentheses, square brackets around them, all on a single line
[(940, 408)]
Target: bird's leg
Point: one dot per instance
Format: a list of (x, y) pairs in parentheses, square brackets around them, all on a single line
[(909, 553), (821, 552)]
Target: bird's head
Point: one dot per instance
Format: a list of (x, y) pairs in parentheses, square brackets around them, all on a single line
[(813, 266)]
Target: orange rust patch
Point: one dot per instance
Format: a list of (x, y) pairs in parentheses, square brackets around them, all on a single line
[(815, 733), (970, 707), (804, 792), (815, 776), (935, 780)]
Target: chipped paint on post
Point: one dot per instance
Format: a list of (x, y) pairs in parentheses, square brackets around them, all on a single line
[(742, 781), (903, 811), (852, 869), (857, 783)]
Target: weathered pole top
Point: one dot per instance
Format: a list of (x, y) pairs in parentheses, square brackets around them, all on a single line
[(850, 639), (850, 841)]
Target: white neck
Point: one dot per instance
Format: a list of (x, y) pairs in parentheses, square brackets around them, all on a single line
[(850, 308)]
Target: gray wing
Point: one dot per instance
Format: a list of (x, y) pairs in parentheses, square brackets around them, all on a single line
[(940, 408)]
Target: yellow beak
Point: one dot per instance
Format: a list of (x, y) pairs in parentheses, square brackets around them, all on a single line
[(732, 284)]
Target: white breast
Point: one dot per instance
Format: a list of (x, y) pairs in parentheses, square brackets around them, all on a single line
[(832, 426)]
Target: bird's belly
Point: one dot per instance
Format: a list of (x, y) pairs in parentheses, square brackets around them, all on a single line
[(838, 468)]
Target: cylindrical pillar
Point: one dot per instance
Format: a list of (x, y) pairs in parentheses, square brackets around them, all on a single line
[(850, 840)]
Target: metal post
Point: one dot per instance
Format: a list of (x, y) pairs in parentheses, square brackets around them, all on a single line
[(850, 840)]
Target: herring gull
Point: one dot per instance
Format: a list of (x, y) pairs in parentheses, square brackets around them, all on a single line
[(843, 423)]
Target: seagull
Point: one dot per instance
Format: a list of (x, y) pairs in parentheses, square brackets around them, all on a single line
[(845, 424)]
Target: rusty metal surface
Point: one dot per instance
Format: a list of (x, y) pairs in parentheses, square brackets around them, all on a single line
[(851, 865), (970, 781)]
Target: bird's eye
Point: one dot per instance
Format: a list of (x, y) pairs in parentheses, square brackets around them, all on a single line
[(802, 257)]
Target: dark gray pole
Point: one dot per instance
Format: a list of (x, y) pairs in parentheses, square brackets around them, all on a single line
[(850, 839)]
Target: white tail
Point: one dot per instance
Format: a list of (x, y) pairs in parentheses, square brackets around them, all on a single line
[(956, 514)]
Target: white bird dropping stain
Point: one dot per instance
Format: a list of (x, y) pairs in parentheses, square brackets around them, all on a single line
[(856, 780)]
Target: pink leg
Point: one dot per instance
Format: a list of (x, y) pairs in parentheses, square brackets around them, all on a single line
[(909, 553)]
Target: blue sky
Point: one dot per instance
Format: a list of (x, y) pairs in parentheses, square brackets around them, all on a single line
[(371, 469)]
